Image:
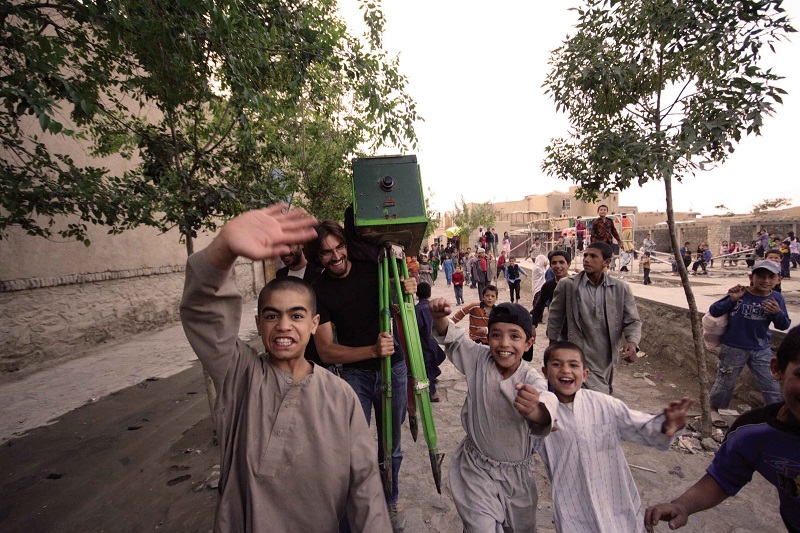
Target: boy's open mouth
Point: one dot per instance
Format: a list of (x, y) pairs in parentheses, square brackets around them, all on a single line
[(283, 342), (505, 354)]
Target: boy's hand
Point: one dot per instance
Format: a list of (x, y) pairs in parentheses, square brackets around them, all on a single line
[(527, 403), (676, 413), (260, 234), (384, 346), (629, 352), (736, 292), (410, 286), (675, 513), (440, 308), (771, 306)]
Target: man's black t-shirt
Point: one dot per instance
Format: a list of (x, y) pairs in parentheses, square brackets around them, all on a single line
[(351, 303)]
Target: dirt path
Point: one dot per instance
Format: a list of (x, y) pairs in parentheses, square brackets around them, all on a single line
[(137, 461)]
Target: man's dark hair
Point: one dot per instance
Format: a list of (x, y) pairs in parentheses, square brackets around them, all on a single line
[(562, 253), (288, 283), (423, 290), (604, 248), (602, 205), (563, 345), (327, 227), (773, 251), (489, 288), (789, 350)]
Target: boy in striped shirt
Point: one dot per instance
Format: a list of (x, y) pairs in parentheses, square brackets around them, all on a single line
[(479, 315)]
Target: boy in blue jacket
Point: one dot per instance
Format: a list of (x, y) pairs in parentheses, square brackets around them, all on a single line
[(750, 311)]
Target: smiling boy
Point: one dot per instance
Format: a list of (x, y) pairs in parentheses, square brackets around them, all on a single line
[(478, 313), (277, 413), (492, 470), (593, 489), (766, 440), (746, 340), (559, 264)]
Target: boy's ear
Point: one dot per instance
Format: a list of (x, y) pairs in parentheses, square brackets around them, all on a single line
[(529, 343), (585, 373), (777, 375), (316, 324)]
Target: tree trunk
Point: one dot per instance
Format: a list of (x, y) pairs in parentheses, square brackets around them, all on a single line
[(211, 391), (697, 330), (189, 245)]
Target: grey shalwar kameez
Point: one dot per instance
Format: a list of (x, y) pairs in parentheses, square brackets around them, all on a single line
[(492, 470), (296, 457)]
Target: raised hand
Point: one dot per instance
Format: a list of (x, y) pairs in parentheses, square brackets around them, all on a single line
[(771, 306), (260, 234), (527, 403), (736, 292), (440, 308), (676, 413)]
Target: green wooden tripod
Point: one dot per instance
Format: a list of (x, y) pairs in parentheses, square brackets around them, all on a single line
[(389, 273)]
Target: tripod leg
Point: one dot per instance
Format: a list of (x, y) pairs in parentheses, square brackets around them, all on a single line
[(408, 319), (386, 375), (411, 410)]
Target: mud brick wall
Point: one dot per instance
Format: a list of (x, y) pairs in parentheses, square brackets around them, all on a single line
[(695, 234), (661, 236), (743, 233), (667, 336), (50, 319)]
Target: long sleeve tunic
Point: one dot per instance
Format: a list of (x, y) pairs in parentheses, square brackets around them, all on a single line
[(296, 457), (593, 488), (491, 473)]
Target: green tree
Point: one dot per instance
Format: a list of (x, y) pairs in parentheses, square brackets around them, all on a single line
[(470, 217), (208, 94), (766, 205), (656, 90), (727, 212), (433, 222)]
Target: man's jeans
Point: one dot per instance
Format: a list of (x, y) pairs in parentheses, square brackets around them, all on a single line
[(367, 384), (731, 362)]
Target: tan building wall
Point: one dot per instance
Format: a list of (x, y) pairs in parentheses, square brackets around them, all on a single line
[(58, 299)]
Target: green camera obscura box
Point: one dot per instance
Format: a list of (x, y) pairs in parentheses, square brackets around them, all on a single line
[(387, 201)]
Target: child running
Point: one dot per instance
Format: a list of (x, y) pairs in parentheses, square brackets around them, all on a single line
[(479, 315), (765, 440), (513, 270), (593, 489), (491, 473)]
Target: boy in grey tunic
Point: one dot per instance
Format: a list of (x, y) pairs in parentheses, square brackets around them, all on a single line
[(297, 454), (491, 473)]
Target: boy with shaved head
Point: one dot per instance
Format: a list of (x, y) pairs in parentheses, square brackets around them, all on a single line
[(277, 413)]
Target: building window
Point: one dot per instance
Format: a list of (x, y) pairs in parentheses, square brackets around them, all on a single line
[(565, 204)]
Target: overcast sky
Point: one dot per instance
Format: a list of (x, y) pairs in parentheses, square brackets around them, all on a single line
[(476, 71)]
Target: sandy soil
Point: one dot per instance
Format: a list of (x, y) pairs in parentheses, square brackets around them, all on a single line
[(141, 460)]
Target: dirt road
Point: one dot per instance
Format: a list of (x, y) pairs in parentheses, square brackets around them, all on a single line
[(137, 461)]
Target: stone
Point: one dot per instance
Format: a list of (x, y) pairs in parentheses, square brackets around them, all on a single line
[(709, 444)]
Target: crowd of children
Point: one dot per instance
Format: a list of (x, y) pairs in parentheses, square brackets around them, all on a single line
[(511, 413)]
